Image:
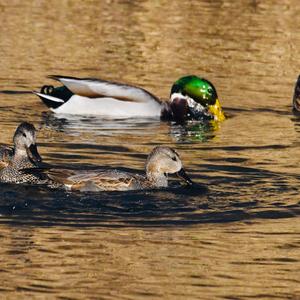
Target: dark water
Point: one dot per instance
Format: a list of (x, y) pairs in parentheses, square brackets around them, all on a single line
[(235, 234)]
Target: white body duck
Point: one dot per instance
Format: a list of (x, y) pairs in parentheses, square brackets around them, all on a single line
[(191, 98)]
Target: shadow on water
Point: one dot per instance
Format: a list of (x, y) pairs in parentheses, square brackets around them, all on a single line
[(41, 206), (230, 190), (226, 200)]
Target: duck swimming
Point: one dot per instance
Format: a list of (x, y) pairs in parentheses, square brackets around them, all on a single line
[(191, 98), (23, 155), (160, 162)]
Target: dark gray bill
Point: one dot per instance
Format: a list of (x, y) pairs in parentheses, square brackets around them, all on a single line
[(181, 173), (33, 153)]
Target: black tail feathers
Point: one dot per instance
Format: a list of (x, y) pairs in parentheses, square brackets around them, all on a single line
[(62, 93)]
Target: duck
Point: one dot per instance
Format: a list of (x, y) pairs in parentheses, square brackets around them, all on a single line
[(23, 154), (191, 98), (296, 98), (161, 161)]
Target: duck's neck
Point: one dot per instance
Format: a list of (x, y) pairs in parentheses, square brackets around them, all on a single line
[(20, 157), (166, 112), (176, 108), (157, 179)]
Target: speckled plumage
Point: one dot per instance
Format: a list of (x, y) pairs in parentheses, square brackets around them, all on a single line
[(11, 173), (6, 153)]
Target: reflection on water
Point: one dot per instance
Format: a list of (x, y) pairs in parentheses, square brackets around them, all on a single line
[(235, 233), (192, 131)]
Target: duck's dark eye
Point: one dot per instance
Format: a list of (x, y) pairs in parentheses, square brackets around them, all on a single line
[(174, 158), (23, 134)]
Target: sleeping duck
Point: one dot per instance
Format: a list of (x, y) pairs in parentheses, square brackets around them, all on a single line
[(191, 98)]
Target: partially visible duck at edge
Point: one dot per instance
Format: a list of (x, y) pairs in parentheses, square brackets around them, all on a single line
[(160, 162), (24, 154), (296, 98), (191, 98)]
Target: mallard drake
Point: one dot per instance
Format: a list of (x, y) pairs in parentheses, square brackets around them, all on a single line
[(24, 154), (191, 98), (160, 162)]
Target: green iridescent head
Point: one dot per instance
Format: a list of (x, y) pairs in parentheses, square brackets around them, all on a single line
[(199, 89)]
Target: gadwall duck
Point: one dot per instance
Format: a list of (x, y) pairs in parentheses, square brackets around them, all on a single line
[(24, 154), (160, 162)]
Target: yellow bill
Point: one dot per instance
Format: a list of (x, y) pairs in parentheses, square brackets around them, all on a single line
[(217, 111)]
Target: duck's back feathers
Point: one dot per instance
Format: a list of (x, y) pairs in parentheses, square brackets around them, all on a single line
[(88, 180), (5, 157), (113, 180), (6, 154), (97, 88), (99, 97)]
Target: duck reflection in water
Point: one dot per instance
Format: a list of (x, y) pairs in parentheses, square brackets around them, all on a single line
[(193, 131)]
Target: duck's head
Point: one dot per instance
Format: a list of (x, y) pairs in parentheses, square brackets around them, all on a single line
[(296, 97), (25, 141), (195, 98), (163, 161)]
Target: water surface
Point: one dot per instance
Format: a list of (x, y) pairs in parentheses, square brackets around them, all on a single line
[(235, 234)]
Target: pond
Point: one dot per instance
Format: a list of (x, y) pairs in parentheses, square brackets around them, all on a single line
[(235, 234)]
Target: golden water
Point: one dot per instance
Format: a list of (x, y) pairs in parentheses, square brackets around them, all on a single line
[(240, 239)]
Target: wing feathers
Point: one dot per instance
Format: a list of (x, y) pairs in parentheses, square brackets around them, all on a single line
[(96, 88)]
